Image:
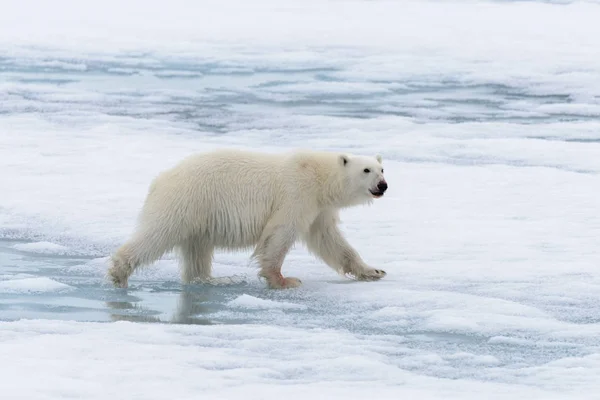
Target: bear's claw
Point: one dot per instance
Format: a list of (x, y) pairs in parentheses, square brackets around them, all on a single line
[(117, 280), (370, 275), (117, 273)]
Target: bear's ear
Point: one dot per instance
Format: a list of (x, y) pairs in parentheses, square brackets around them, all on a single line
[(343, 159), (379, 158)]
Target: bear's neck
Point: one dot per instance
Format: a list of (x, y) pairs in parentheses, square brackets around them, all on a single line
[(333, 192)]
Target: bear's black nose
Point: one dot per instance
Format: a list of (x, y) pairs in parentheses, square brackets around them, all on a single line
[(382, 186)]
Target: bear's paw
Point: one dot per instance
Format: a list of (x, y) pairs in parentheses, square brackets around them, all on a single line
[(370, 274)]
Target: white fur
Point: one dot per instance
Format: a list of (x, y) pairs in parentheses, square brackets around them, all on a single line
[(232, 199)]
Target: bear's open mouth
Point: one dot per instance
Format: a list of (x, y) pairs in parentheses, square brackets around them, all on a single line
[(377, 194)]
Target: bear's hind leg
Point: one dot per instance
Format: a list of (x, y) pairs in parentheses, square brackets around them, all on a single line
[(142, 249), (197, 260)]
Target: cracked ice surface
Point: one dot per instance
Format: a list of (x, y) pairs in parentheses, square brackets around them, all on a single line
[(486, 114)]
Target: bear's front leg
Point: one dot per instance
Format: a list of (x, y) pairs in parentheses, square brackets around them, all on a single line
[(325, 240), (270, 252)]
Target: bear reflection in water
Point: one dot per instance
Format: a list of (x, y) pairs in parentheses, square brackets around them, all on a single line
[(189, 310)]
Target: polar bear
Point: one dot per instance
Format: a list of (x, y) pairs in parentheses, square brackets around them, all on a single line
[(237, 199)]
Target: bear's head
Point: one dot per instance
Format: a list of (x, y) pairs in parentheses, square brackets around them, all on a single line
[(364, 178)]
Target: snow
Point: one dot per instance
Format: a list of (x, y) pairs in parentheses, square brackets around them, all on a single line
[(31, 285), (99, 361), (42, 247), (247, 301), (485, 113)]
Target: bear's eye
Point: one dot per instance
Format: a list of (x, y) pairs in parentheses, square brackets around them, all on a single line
[(382, 170), (366, 170)]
